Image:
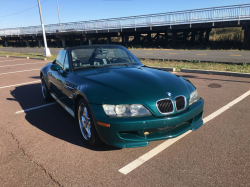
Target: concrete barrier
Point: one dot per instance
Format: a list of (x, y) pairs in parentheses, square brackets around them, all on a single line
[(163, 68), (38, 58), (19, 57)]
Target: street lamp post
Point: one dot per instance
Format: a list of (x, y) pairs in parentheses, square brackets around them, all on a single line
[(58, 15), (46, 50)]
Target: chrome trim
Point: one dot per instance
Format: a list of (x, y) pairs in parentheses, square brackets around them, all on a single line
[(84, 121), (63, 105), (69, 87), (185, 105), (166, 112), (69, 111)]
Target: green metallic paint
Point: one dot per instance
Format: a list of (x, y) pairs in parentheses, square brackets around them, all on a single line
[(131, 85), (137, 124), (128, 84), (55, 67)]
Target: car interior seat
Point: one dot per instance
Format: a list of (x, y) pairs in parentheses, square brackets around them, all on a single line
[(76, 62), (101, 59)]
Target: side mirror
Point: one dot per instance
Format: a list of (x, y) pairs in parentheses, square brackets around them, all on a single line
[(55, 67)]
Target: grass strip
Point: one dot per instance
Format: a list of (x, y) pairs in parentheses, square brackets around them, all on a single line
[(244, 68), (32, 55)]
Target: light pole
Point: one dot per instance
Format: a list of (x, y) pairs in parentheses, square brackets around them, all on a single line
[(58, 15), (46, 51)]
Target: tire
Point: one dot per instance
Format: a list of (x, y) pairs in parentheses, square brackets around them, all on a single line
[(45, 91), (86, 123)]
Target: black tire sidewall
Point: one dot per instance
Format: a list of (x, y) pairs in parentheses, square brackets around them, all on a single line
[(47, 95), (94, 139)]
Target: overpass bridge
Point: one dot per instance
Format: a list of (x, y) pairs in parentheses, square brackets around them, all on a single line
[(192, 23)]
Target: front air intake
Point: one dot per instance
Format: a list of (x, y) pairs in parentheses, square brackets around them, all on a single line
[(180, 103)]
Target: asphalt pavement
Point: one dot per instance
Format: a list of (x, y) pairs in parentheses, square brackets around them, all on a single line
[(226, 56), (41, 144)]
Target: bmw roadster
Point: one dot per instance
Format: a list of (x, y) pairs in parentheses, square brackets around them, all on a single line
[(118, 100)]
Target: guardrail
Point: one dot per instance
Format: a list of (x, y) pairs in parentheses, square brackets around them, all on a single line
[(206, 15)]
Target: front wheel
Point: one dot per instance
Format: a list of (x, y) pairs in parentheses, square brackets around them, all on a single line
[(45, 91), (86, 123)]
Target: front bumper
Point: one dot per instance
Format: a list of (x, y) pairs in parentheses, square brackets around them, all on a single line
[(130, 131)]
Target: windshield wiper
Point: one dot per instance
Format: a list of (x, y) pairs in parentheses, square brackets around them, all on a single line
[(86, 67), (92, 67), (124, 64), (103, 66)]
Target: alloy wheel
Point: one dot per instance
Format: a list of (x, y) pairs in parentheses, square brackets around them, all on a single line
[(84, 121)]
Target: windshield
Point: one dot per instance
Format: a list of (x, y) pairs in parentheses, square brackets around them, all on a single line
[(96, 56)]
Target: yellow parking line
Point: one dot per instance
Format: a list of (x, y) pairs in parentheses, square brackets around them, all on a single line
[(148, 53), (173, 53), (235, 55), (201, 54)]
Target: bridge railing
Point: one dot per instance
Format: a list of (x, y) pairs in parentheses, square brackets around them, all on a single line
[(206, 15)]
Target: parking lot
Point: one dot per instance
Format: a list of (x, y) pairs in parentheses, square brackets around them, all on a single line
[(41, 144)]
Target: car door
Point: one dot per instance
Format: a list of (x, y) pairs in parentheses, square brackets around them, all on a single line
[(69, 87), (56, 78)]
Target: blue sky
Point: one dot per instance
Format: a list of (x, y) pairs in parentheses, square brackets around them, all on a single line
[(83, 10)]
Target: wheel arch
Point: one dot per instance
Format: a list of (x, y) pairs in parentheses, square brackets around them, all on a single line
[(77, 99), (44, 71), (98, 139), (41, 74)]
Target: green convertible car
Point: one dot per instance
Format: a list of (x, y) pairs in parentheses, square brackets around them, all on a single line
[(118, 100)]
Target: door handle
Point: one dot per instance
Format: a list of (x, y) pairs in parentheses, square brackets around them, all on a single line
[(50, 73)]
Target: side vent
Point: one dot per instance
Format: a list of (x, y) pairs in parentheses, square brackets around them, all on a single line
[(69, 86)]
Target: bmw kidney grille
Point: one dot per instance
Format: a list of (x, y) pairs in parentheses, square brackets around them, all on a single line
[(180, 103), (166, 106)]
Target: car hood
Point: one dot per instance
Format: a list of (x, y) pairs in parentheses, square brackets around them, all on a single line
[(131, 85)]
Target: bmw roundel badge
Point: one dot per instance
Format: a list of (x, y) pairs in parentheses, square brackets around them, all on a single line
[(169, 94)]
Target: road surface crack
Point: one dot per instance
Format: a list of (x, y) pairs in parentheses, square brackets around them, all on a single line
[(25, 154)]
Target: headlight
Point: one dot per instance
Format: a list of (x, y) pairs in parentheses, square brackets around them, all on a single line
[(194, 96), (125, 110)]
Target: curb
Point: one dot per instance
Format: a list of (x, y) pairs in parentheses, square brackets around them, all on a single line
[(19, 57), (38, 58), (226, 73), (163, 68), (25, 57)]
